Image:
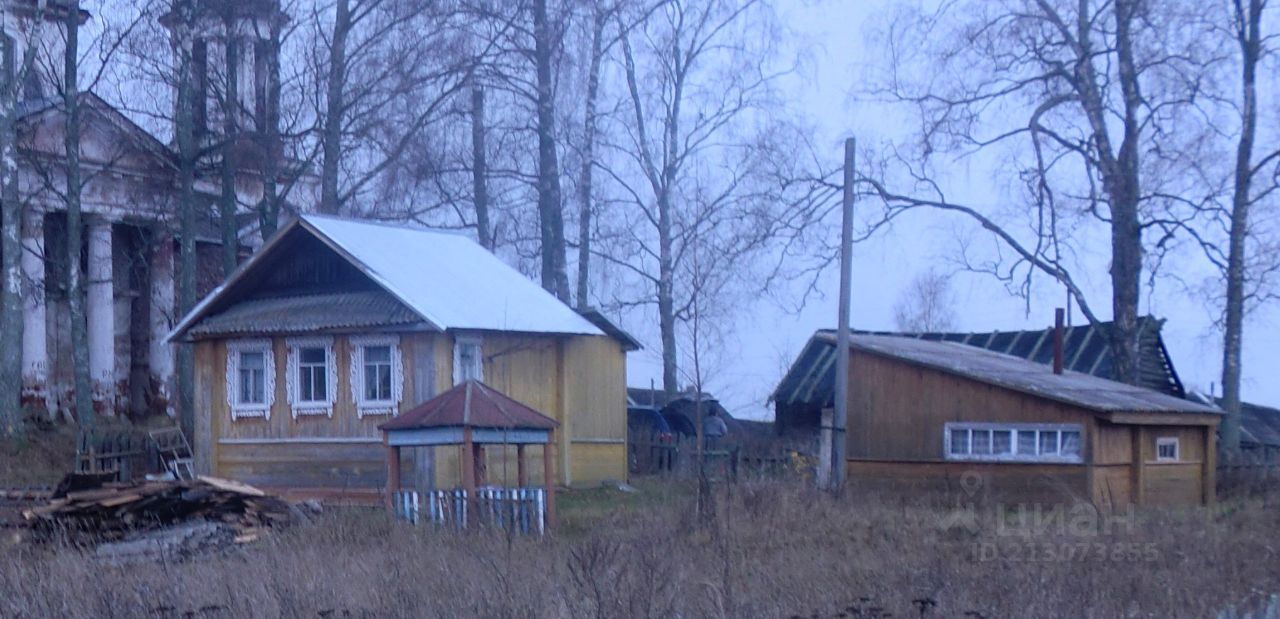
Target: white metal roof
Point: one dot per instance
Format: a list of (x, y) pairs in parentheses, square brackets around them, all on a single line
[(448, 279)]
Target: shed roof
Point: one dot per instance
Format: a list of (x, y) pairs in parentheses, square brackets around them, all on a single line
[(448, 280), (309, 313), (471, 404), (811, 379)]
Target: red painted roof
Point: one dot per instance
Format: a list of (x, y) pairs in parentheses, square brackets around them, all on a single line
[(474, 404)]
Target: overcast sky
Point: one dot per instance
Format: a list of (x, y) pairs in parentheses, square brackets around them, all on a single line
[(767, 337)]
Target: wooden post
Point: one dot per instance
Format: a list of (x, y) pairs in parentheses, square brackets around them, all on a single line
[(841, 417), (549, 477), (522, 475), (393, 473), (468, 464), (1210, 464), (1136, 475)]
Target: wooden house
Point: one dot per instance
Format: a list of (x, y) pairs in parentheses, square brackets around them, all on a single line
[(336, 326), (930, 414)]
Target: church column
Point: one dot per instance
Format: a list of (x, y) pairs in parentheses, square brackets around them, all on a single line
[(163, 316), (101, 316), (35, 349)]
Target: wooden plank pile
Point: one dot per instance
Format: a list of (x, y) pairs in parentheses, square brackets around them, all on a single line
[(112, 511)]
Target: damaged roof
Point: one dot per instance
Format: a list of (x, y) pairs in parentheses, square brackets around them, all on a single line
[(1086, 348), (811, 378)]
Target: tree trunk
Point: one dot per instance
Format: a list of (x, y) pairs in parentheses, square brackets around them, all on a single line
[(480, 168), (335, 109), (1249, 37), (75, 224), (588, 161), (230, 123), (550, 208), (666, 298), (272, 149), (11, 324), (184, 132)]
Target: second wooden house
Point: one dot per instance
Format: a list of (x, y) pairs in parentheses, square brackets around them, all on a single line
[(336, 326), (930, 415)]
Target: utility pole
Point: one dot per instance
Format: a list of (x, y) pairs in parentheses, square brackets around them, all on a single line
[(841, 417)]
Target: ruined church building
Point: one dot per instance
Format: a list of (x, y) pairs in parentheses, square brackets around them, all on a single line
[(130, 198)]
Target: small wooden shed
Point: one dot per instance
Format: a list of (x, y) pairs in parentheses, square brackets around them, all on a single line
[(929, 414)]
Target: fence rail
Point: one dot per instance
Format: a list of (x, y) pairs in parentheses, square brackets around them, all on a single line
[(521, 510)]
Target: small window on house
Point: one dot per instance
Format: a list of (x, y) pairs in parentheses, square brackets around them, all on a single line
[(250, 378), (468, 359), (1027, 442), (959, 442), (1014, 442), (376, 375), (982, 442), (253, 377), (1001, 442), (1167, 449), (311, 378)]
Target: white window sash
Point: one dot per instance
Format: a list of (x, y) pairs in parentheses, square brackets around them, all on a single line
[(1168, 441), (302, 407), (459, 341), (1037, 431), (250, 410), (365, 406)]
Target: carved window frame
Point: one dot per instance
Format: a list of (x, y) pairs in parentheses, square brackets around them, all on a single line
[(311, 408), (250, 410), (366, 407)]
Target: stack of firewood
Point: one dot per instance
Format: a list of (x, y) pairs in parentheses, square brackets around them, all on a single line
[(110, 511)]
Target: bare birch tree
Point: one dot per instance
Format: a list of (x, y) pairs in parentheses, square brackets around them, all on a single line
[(685, 158), (1090, 101)]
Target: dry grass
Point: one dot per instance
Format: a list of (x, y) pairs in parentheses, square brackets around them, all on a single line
[(39, 458), (772, 551)]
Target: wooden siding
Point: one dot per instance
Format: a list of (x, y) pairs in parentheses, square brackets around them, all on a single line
[(897, 417), (897, 411), (579, 381)]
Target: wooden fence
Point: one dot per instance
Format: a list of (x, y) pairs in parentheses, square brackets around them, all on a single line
[(651, 453), (521, 510), (128, 454)]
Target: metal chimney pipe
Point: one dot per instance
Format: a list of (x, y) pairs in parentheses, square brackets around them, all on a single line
[(1057, 340)]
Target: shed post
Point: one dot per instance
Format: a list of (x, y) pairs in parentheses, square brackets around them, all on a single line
[(393, 472), (522, 474), (468, 467), (549, 477), (1210, 464)]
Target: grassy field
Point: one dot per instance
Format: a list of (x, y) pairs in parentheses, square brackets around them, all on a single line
[(769, 550)]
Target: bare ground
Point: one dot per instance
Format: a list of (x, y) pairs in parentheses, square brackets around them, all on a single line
[(771, 550)]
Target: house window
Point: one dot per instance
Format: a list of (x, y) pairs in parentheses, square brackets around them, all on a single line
[(312, 376), (376, 375), (1013, 442), (250, 378), (468, 359), (1167, 449)]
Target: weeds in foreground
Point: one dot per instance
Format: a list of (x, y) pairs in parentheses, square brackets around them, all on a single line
[(769, 550)]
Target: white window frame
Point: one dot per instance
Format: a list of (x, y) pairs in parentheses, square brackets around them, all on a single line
[(376, 407), (1015, 430), (250, 410), (465, 340), (1168, 441), (317, 407)]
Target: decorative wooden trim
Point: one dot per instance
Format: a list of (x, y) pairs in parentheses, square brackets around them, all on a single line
[(309, 408), (376, 407), (250, 410)]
